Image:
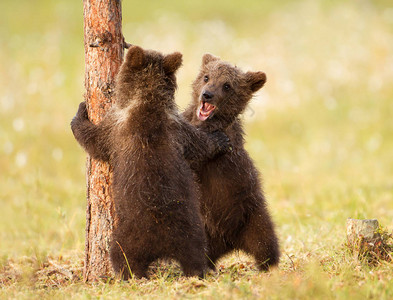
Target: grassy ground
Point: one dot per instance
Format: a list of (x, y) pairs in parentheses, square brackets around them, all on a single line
[(320, 132)]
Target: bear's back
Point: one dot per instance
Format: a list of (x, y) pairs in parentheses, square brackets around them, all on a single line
[(149, 168)]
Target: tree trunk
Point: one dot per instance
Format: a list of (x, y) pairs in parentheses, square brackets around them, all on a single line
[(104, 47)]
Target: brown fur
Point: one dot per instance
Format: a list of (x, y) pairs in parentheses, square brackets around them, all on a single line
[(144, 138), (232, 202)]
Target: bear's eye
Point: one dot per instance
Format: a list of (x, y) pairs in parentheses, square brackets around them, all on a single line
[(206, 78), (227, 86)]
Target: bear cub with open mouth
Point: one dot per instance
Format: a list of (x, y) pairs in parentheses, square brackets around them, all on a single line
[(232, 204)]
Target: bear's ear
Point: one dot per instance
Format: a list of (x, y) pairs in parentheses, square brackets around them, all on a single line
[(255, 80), (135, 57), (208, 58), (172, 62)]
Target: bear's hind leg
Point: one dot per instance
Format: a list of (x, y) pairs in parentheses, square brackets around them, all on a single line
[(259, 239), (217, 248), (190, 253), (138, 268), (193, 266), (193, 261), (138, 264)]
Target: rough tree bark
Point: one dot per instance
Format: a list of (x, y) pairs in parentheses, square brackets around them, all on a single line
[(104, 47)]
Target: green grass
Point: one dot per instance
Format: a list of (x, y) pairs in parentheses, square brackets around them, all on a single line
[(320, 131)]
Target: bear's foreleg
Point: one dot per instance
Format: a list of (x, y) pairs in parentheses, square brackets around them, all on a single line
[(199, 146), (93, 138)]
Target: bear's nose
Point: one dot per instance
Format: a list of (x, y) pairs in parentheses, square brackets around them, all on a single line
[(207, 95)]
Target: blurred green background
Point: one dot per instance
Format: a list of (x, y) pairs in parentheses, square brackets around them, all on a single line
[(320, 131)]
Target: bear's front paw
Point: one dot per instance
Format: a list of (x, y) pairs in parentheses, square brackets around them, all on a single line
[(82, 111), (222, 142), (80, 116)]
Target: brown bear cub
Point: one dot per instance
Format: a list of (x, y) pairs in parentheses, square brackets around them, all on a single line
[(154, 190), (232, 203)]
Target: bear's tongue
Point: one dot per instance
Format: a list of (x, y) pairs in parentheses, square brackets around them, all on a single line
[(205, 110)]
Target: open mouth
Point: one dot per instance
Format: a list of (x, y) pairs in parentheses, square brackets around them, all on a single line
[(205, 111)]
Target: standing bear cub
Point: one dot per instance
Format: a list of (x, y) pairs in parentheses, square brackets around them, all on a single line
[(154, 190), (232, 203)]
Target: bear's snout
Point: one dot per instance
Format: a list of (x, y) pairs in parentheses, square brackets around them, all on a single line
[(206, 95)]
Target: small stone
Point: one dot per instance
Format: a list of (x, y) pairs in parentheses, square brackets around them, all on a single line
[(365, 229)]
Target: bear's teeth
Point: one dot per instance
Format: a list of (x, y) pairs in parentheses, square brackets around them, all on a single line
[(207, 107), (205, 110)]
